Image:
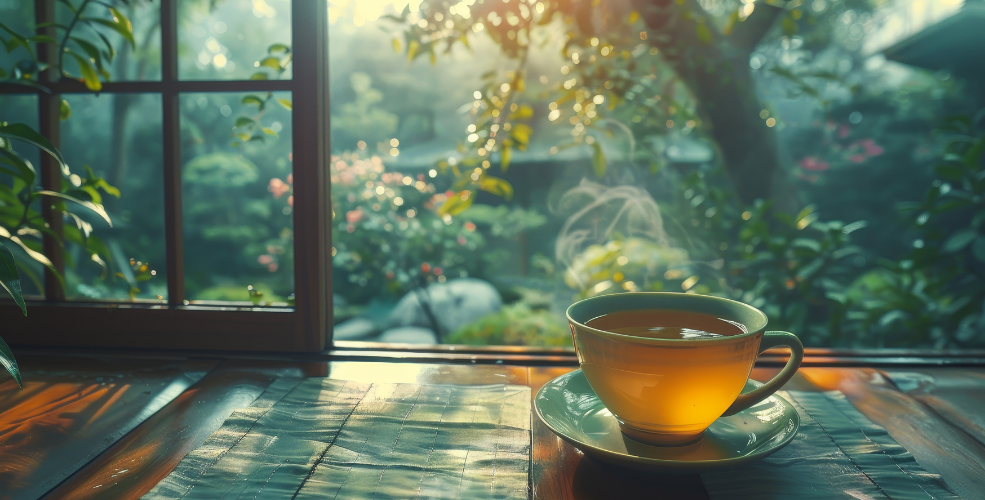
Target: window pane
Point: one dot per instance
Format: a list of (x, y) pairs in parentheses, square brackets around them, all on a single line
[(228, 40), (121, 60), (820, 179), (19, 17), (237, 197), (21, 109), (118, 137)]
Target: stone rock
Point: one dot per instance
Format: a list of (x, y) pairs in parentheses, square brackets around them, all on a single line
[(455, 303), (408, 335), (354, 329)]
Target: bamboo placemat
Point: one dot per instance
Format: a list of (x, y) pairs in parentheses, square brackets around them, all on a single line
[(837, 453), (325, 438)]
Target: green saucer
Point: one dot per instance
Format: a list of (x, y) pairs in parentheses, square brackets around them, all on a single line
[(570, 408)]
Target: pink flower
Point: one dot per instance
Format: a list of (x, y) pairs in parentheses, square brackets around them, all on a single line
[(277, 187), (272, 267), (843, 131), (871, 148), (461, 240), (350, 228), (265, 259), (290, 201), (469, 226), (813, 163), (437, 271), (290, 178), (354, 216), (856, 158)]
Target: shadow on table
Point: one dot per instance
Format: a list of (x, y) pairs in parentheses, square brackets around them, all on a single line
[(594, 479)]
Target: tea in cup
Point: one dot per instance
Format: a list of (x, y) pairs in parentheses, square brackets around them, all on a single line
[(667, 365)]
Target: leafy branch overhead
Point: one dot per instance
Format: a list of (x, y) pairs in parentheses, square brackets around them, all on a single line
[(249, 128), (85, 41)]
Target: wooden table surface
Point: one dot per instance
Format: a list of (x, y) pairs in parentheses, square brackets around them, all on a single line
[(112, 427)]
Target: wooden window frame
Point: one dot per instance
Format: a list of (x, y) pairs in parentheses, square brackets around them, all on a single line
[(55, 322)]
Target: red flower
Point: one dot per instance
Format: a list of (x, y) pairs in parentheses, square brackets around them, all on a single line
[(469, 226), (437, 271), (354, 216), (871, 148), (272, 267), (813, 163), (425, 267)]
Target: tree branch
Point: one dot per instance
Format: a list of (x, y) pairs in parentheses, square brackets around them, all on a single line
[(747, 34)]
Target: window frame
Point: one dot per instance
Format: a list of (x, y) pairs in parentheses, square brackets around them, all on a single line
[(55, 322)]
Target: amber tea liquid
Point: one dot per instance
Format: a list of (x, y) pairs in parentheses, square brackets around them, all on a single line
[(668, 390)]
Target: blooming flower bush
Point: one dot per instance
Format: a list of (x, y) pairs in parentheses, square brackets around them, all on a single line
[(387, 233)]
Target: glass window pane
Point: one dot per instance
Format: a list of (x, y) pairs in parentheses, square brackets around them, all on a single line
[(824, 182), (118, 138), (237, 195), (103, 45), (21, 109), (19, 17), (227, 40)]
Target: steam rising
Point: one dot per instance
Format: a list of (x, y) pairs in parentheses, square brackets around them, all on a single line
[(602, 214)]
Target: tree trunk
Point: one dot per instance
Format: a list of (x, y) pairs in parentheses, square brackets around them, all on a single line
[(716, 69)]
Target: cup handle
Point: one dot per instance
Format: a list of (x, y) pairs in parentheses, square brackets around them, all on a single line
[(771, 339)]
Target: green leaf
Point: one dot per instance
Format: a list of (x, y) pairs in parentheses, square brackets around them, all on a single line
[(704, 34), (64, 110), (505, 154), (25, 169), (9, 279), (88, 72), (88, 48), (521, 134), (120, 24), (8, 362), (959, 240), (110, 51), (598, 159), (24, 133), (259, 75), (456, 203), (271, 62), (522, 113), (252, 99), (278, 47), (97, 209), (789, 26), (412, 49), (244, 121), (268, 131), (288, 105), (496, 186)]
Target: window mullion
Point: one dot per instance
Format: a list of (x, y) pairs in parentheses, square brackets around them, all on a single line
[(49, 108), (172, 154), (312, 236)]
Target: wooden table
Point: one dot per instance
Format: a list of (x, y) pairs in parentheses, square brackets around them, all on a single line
[(113, 426)]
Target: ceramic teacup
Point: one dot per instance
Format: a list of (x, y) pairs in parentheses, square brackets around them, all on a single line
[(668, 391)]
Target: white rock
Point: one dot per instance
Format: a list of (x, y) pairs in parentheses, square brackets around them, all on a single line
[(408, 335), (354, 329), (454, 304)]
